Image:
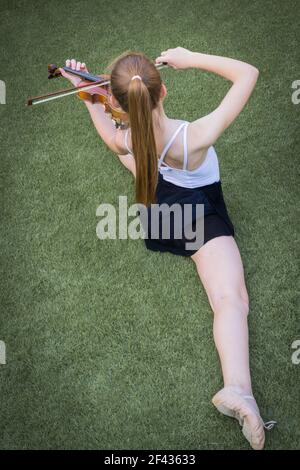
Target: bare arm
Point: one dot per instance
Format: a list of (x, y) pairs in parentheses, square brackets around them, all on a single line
[(111, 136), (243, 76)]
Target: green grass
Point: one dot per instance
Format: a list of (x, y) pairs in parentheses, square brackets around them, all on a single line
[(110, 345)]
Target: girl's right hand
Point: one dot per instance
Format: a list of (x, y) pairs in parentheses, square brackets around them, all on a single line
[(75, 65), (178, 58)]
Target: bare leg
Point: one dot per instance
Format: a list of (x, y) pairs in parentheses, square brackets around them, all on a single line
[(129, 162), (220, 269)]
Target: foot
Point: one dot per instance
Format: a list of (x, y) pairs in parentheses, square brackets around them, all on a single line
[(232, 402)]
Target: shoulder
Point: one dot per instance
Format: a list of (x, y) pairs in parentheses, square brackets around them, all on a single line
[(205, 131), (197, 136)]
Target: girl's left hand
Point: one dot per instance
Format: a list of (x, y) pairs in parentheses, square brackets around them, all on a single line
[(75, 65)]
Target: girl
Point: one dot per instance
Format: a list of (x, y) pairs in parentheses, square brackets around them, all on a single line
[(175, 161)]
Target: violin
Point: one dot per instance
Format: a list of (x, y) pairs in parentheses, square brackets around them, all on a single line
[(94, 88)]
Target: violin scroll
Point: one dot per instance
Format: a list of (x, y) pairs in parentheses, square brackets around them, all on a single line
[(53, 71)]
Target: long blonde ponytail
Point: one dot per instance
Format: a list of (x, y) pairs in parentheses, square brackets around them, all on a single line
[(138, 97)]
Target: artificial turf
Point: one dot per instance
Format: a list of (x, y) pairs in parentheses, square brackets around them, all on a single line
[(110, 345)]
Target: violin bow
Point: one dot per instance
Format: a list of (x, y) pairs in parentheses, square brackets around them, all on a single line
[(53, 72), (66, 92)]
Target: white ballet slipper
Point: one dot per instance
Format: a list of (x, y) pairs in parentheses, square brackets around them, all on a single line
[(231, 402)]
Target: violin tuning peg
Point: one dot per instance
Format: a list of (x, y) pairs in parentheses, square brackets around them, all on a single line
[(53, 71)]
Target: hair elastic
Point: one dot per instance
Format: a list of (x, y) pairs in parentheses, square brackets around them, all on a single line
[(136, 76)]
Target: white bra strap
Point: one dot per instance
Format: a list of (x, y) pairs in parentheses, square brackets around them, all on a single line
[(162, 156), (185, 149), (126, 141)]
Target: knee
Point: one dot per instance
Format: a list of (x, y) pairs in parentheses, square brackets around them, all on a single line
[(230, 300)]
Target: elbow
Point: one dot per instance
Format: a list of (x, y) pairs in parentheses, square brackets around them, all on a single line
[(252, 76), (249, 73), (254, 72)]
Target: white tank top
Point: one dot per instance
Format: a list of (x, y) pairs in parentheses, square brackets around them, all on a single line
[(207, 173)]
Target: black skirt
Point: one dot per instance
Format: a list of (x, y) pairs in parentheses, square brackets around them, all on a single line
[(215, 219)]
